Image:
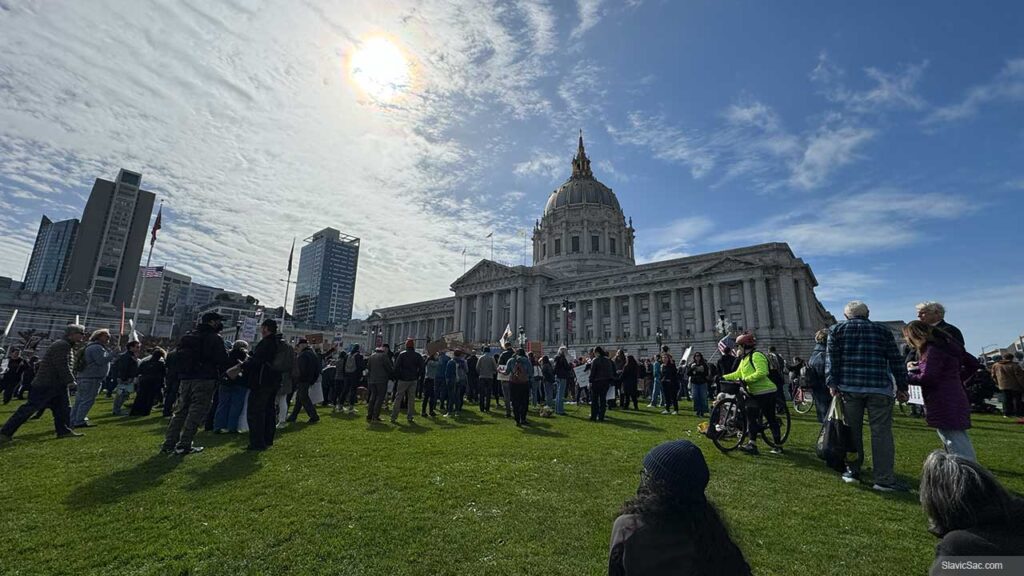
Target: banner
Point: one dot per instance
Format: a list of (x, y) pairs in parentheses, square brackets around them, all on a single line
[(686, 355), (436, 346), (916, 397), (249, 329), (314, 339), (582, 376), (537, 348)]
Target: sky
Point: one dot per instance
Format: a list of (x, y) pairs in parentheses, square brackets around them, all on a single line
[(883, 141)]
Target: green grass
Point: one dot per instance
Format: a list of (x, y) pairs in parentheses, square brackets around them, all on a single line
[(473, 497)]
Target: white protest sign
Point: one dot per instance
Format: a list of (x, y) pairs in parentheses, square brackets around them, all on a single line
[(582, 376), (916, 397)]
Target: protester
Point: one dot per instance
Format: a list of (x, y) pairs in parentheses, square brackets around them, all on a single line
[(503, 378), (10, 381), (629, 377), (969, 510), (96, 358), (309, 370), (669, 382), (670, 527), (547, 374), (473, 376), (934, 314), (457, 378), (441, 380), (203, 360), (150, 379), (656, 395), (429, 387), (231, 393), (602, 375), (753, 372), (327, 376), (536, 380), (699, 374), (519, 370), (938, 374), (351, 374), (862, 363), (126, 370), (487, 369), (814, 376), (1009, 377), (262, 372), (408, 366), (563, 375), (171, 382), (380, 367)]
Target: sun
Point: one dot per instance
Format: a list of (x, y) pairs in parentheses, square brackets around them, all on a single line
[(380, 69)]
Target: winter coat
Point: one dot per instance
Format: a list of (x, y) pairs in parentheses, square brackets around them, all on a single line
[(698, 373), (547, 372), (259, 370), (380, 368), (1008, 375), (408, 365), (487, 366), (630, 374), (55, 369), (152, 372), (309, 366), (814, 376), (208, 360), (945, 400), (562, 367), (97, 361), (641, 550), (602, 370), (992, 535), (126, 367)]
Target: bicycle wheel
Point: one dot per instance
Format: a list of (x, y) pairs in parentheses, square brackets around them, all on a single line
[(730, 425), (782, 413), (803, 401)]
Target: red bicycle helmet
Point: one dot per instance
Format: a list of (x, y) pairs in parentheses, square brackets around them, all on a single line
[(746, 339)]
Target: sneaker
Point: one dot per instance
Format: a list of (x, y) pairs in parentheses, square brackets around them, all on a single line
[(221, 431), (353, 410), (776, 450), (314, 420), (189, 450), (281, 425), (665, 412), (850, 477), (894, 487), (750, 448), (650, 405), (70, 434), (446, 415), (166, 450), (675, 413)]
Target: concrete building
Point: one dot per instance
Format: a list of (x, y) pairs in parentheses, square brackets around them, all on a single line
[(51, 255), (164, 294), (110, 239), (326, 282), (584, 288)]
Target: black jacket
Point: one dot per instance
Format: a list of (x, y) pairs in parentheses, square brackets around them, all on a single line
[(562, 367), (259, 368), (408, 365), (127, 366), (602, 370), (202, 355), (152, 372), (995, 535), (309, 366)]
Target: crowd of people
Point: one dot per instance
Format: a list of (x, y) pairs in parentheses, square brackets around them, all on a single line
[(222, 387)]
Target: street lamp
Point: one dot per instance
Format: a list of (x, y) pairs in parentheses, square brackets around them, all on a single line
[(567, 311), (658, 336), (238, 328)]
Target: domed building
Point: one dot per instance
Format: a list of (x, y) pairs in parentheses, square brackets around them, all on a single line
[(584, 289)]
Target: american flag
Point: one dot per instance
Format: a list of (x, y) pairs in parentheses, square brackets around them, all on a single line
[(153, 272), (725, 345)]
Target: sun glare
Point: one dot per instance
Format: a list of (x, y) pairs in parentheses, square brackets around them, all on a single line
[(380, 69)]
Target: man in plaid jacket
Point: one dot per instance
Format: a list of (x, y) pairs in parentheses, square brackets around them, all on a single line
[(863, 364)]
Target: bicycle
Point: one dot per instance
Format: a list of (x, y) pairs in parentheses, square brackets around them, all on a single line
[(728, 421), (803, 398)]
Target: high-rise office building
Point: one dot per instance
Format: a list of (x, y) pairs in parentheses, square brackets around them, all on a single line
[(111, 238), (162, 293), (51, 255), (327, 278)]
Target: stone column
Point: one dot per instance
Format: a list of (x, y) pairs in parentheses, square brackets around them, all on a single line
[(763, 315), (513, 301), (496, 326), (803, 295), (709, 308), (464, 326), (789, 309), (481, 309), (520, 308), (677, 320), (653, 314), (634, 317), (598, 321), (716, 297), (458, 313), (698, 311), (613, 312), (748, 305)]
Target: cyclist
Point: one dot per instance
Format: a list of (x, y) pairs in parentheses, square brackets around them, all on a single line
[(753, 372)]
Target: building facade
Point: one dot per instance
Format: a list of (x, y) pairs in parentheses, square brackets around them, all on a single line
[(163, 294), (326, 283), (51, 255), (110, 239)]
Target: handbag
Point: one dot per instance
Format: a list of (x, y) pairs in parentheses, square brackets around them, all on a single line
[(835, 441), (316, 392)]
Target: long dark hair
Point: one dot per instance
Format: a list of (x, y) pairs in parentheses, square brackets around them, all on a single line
[(715, 553)]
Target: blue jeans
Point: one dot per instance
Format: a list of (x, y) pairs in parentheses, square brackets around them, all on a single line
[(656, 394), (957, 442), (536, 386), (700, 399), (230, 400), (560, 396), (85, 397)]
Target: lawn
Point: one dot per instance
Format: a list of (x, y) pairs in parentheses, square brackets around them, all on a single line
[(476, 496)]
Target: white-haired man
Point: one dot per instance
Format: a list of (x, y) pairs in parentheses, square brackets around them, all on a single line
[(934, 314), (861, 363)]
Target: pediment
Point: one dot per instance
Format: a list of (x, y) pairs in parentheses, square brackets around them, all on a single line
[(727, 264), (484, 271)]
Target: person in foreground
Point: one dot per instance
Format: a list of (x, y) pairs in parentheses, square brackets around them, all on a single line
[(670, 527), (50, 387), (969, 510)]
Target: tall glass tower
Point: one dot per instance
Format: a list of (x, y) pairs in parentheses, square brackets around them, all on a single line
[(327, 278)]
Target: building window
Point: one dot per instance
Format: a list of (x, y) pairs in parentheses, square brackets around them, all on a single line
[(575, 244), (734, 294), (558, 246), (611, 245), (595, 243), (544, 250)]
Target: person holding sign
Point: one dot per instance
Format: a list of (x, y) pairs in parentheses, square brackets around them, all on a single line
[(947, 408)]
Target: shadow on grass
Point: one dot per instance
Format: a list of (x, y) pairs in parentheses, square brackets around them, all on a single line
[(235, 467), (121, 484), (633, 424), (535, 428), (412, 428)]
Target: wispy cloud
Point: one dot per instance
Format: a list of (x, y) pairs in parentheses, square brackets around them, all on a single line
[(827, 150), (544, 164), (674, 240), (836, 285), (889, 90), (590, 13), (1007, 86), (665, 141), (856, 223)]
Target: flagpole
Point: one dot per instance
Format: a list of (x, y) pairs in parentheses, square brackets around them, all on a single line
[(287, 285), (138, 289), (492, 246)]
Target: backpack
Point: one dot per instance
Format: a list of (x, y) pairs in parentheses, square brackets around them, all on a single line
[(284, 359), (518, 375), (80, 362), (351, 364), (190, 352)]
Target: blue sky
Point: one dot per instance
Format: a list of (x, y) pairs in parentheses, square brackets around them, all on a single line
[(882, 140)]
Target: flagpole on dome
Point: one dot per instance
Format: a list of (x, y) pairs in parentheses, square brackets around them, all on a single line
[(142, 282), (491, 236)]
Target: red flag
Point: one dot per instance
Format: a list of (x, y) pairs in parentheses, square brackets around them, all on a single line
[(290, 255), (156, 225)]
